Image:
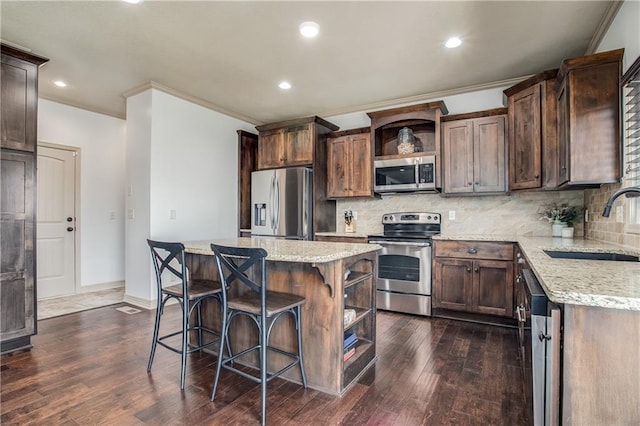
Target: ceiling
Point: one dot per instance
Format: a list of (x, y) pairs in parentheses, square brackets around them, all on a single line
[(231, 56)]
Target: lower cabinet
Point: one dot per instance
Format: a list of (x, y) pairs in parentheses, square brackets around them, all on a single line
[(474, 277)]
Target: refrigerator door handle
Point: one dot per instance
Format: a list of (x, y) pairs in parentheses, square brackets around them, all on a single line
[(271, 190), (277, 205)]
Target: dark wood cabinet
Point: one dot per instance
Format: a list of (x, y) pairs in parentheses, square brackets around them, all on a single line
[(588, 104), (474, 152), (18, 319), (247, 163), (474, 277), (349, 164), (533, 132), (422, 119), (341, 239), (286, 146)]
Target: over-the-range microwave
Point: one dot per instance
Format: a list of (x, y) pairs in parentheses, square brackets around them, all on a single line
[(407, 174)]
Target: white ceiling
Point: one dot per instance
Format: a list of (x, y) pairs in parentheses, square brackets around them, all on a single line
[(231, 55)]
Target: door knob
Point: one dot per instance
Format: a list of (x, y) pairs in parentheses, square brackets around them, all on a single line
[(69, 229), (69, 219)]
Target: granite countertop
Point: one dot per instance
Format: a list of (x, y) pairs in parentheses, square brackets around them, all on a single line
[(342, 234), (499, 238), (597, 283), (288, 250)]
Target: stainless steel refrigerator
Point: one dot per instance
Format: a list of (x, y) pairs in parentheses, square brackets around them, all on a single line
[(282, 203)]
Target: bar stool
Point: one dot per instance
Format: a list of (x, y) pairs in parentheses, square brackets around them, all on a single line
[(189, 293), (262, 306)]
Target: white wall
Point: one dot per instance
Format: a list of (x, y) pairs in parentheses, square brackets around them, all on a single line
[(456, 104), (101, 140), (182, 157), (137, 192), (624, 32)]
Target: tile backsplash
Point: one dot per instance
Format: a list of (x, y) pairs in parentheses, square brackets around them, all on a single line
[(606, 228), (498, 215)]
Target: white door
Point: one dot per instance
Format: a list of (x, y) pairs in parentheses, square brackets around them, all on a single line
[(56, 223)]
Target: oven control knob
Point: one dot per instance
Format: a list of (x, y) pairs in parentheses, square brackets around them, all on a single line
[(429, 217)]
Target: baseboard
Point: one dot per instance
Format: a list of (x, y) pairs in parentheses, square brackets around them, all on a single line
[(139, 302), (102, 286)]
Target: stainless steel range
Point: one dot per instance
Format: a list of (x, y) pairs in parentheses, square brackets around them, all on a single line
[(403, 279)]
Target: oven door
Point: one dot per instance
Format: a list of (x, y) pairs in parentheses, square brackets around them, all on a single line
[(403, 278)]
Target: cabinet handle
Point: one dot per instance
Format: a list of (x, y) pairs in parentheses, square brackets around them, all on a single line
[(542, 337), (469, 183), (468, 269), (475, 269), (472, 250), (477, 183), (345, 295), (69, 229), (536, 176)]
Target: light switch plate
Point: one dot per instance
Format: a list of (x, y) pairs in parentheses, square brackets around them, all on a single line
[(452, 215)]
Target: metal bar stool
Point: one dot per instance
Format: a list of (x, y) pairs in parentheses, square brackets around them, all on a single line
[(262, 306), (189, 293)]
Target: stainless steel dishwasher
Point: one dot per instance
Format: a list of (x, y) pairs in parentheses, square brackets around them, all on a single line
[(543, 349)]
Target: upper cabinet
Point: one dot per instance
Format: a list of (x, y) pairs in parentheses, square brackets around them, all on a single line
[(533, 132), (19, 99), (588, 103), (474, 152), (424, 122), (290, 143), (349, 164)]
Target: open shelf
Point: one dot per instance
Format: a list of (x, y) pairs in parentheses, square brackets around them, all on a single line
[(356, 277), (361, 313)]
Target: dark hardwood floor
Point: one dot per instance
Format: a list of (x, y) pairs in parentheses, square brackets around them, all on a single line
[(90, 368)]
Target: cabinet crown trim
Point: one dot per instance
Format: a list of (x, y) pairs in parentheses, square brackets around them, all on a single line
[(298, 121)]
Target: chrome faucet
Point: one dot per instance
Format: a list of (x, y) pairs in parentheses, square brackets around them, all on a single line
[(631, 191)]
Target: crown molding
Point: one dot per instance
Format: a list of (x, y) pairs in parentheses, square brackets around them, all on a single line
[(83, 107), (193, 99), (603, 26), (424, 97)]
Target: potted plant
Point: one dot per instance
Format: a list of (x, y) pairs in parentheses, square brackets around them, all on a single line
[(561, 216)]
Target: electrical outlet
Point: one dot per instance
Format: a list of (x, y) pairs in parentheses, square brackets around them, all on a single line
[(586, 215), (131, 214), (619, 214), (172, 214), (452, 215)]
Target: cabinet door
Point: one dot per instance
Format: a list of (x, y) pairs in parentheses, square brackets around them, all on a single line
[(489, 154), (525, 139), (458, 156), (492, 288), (360, 166), (270, 149), (452, 285), (338, 165), (18, 101), (298, 146), (563, 135), (17, 257)]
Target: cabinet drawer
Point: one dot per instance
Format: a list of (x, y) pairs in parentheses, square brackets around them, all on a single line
[(474, 250)]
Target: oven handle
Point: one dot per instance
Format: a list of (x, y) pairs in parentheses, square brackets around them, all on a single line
[(398, 243)]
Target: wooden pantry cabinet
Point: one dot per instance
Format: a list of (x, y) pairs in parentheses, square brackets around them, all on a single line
[(349, 164), (18, 104), (588, 102), (533, 132), (474, 277), (474, 152)]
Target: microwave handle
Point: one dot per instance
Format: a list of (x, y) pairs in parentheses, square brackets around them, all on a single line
[(416, 171)]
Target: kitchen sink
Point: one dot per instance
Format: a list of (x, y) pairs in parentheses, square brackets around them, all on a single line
[(563, 254)]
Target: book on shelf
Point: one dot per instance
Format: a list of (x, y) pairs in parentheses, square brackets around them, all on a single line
[(351, 346), (349, 339), (350, 353)]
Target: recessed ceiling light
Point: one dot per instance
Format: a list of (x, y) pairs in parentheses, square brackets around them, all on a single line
[(284, 85), (133, 1), (453, 42), (309, 29), (60, 83)]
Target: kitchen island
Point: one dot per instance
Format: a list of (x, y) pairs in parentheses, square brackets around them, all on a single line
[(331, 277)]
